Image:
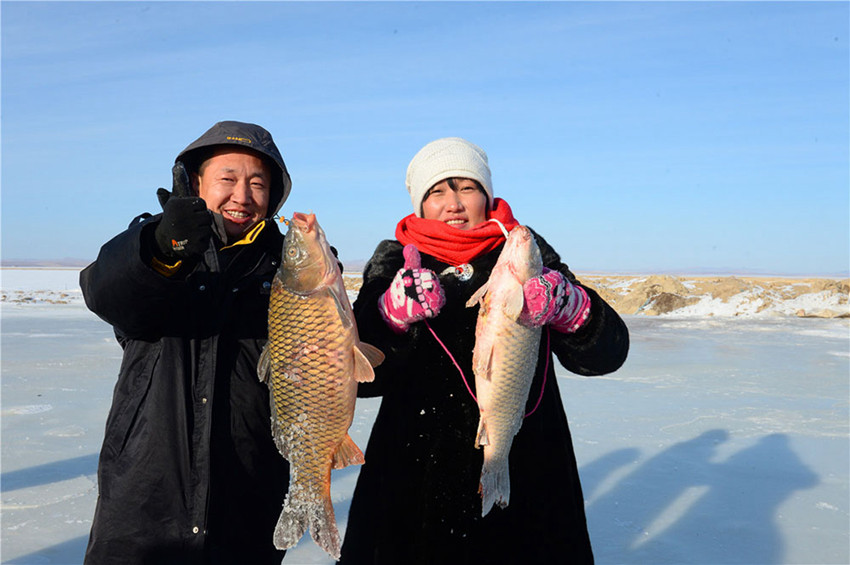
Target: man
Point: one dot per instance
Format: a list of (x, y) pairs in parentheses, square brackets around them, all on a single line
[(188, 471)]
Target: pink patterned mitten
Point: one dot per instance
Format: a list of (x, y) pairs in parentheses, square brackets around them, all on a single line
[(414, 294), (551, 299)]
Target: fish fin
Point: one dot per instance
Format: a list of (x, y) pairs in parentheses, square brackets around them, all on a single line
[(323, 528), (482, 360), (481, 436), (343, 308), (495, 487), (478, 295), (264, 366), (514, 302), (374, 355), (347, 454), (363, 372)]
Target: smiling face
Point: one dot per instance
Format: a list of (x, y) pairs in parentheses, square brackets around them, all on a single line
[(235, 183), (462, 206)]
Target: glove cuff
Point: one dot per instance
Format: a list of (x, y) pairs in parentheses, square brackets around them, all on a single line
[(574, 313), (395, 324)]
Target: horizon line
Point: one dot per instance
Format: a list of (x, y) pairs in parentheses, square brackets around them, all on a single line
[(358, 264)]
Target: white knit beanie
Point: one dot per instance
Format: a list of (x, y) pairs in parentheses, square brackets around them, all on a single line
[(443, 159)]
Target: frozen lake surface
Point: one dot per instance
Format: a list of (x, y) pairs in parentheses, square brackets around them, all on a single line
[(720, 441)]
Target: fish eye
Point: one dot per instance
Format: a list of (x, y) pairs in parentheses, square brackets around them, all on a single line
[(291, 252)]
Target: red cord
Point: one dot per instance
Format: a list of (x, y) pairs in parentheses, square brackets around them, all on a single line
[(466, 383), (545, 374)]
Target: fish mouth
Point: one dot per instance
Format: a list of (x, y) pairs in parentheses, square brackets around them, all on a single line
[(305, 232), (304, 222), (522, 233), (521, 238)]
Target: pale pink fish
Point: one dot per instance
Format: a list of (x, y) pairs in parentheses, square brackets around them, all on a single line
[(504, 361)]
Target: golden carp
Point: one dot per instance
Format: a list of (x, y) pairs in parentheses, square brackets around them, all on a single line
[(312, 363), (503, 360)]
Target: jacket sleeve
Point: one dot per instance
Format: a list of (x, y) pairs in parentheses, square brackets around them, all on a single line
[(601, 345), (124, 290)]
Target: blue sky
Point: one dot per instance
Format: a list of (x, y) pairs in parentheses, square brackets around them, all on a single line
[(635, 136)]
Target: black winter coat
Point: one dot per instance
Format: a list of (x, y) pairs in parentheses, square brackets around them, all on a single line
[(416, 499), (188, 471)]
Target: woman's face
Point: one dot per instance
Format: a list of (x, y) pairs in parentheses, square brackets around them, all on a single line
[(463, 207)]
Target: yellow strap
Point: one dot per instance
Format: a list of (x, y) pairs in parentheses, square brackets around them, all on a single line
[(249, 238), (165, 269)]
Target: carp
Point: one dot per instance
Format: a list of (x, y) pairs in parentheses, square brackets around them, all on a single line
[(312, 363), (504, 360)]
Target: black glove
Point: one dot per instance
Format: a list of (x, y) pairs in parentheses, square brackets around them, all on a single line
[(186, 226), (179, 185)]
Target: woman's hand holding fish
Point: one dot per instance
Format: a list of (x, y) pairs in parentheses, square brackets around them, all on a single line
[(414, 294), (551, 299)]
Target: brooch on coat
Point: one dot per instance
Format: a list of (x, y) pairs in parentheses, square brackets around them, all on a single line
[(462, 272)]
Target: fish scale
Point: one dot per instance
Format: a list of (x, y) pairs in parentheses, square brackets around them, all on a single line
[(312, 363), (310, 380), (504, 361)]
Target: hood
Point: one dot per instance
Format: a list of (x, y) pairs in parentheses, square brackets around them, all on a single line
[(245, 135)]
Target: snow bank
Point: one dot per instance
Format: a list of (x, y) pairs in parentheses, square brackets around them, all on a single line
[(730, 296), (40, 286)]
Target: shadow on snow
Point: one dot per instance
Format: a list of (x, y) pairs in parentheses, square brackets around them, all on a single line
[(680, 506), (74, 549), (54, 472)]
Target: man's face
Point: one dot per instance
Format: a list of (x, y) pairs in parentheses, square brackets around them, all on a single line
[(235, 183)]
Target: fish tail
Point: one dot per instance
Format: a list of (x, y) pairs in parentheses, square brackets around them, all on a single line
[(304, 511), (495, 487), (290, 526), (323, 529)]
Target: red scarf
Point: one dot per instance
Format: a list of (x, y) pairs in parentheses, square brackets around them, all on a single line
[(454, 246)]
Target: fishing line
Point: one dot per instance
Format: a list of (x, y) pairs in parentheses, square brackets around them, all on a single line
[(501, 225), (466, 383)]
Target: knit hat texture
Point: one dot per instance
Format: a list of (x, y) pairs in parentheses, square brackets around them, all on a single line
[(443, 159)]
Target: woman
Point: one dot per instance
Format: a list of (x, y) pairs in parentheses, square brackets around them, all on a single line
[(417, 499)]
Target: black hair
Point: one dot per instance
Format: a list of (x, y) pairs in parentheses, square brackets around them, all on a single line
[(195, 160)]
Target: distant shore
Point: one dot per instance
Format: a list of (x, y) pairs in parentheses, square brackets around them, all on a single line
[(728, 295), (356, 266), (629, 294)]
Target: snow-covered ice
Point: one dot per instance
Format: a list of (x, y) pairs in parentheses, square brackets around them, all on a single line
[(722, 440)]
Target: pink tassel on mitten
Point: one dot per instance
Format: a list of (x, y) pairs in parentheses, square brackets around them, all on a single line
[(551, 299), (414, 294)]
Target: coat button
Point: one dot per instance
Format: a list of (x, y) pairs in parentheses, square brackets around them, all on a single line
[(202, 287), (204, 400), (267, 285), (195, 530)]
